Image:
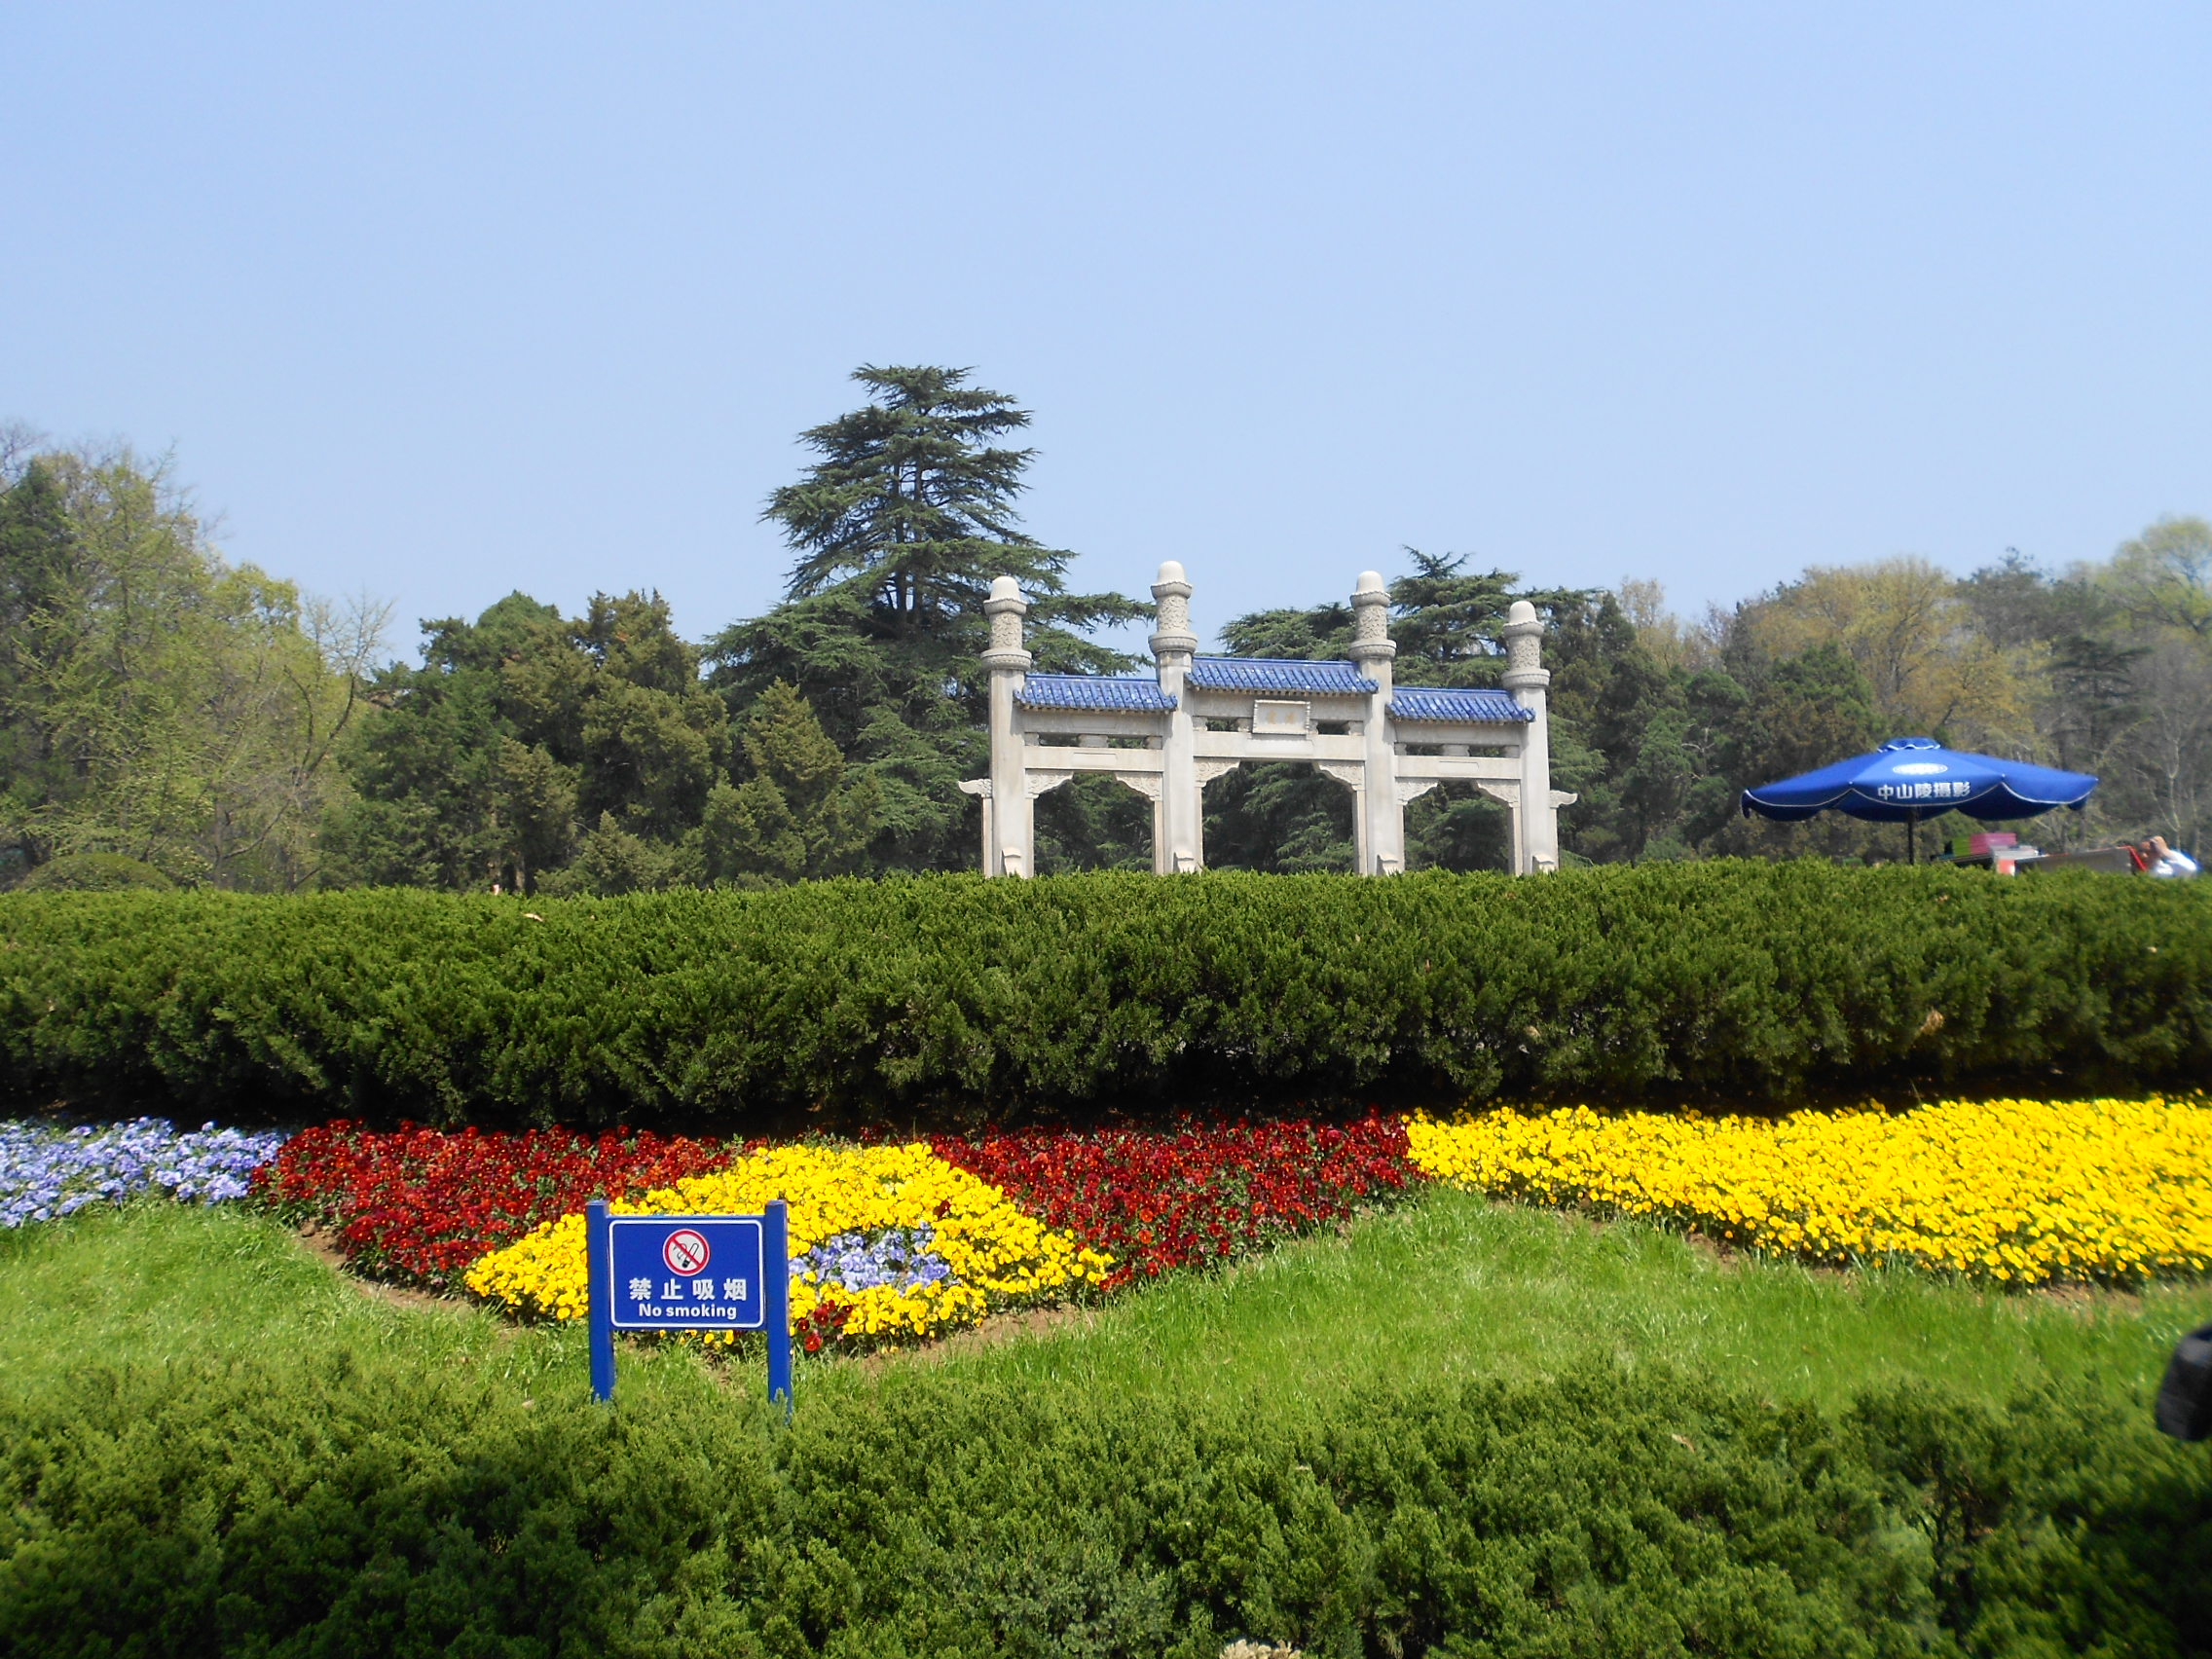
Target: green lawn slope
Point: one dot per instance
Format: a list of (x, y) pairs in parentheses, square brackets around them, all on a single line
[(1460, 1428)]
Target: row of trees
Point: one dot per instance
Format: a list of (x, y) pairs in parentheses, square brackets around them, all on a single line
[(2103, 667), (165, 717), (168, 716)]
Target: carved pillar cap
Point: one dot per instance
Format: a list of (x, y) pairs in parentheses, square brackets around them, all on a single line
[(1006, 607), (1171, 633), (1524, 649), (1370, 640)]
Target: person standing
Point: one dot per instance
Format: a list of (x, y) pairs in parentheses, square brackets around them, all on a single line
[(2158, 858)]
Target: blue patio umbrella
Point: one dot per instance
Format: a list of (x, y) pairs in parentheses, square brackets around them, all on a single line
[(1911, 776)]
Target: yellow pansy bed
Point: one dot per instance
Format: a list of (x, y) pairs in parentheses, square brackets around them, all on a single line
[(2023, 1191), (961, 1248)]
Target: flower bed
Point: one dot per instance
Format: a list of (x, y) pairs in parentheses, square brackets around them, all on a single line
[(2015, 1190), (890, 1241), (46, 1172), (887, 1241), (902, 1242), (1158, 1200), (421, 1204)]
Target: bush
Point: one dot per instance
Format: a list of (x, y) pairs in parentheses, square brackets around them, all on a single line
[(95, 872), (949, 1000), (358, 1508)]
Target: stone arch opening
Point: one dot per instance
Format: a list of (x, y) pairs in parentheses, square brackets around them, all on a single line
[(1092, 822), (1282, 816), (1457, 827)]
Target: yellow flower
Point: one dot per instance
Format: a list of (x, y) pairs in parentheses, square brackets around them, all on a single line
[(999, 1255), (2025, 1191)]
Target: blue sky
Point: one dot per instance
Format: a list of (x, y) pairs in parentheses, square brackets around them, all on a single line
[(444, 301)]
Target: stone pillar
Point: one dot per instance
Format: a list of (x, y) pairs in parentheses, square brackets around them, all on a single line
[(1382, 845), (1178, 845), (1010, 815), (1535, 827)]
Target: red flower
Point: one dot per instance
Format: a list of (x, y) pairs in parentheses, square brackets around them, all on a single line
[(422, 1204), (1163, 1199)]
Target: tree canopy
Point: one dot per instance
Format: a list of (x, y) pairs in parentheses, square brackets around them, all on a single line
[(897, 531), (158, 705), (170, 717)]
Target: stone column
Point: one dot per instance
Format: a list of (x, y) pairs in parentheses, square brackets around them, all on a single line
[(1383, 846), (1178, 845), (1010, 815), (1536, 828)]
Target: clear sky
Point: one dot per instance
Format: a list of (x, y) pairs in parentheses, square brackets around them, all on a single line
[(442, 301)]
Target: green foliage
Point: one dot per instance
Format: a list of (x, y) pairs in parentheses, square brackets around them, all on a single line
[(899, 529), (524, 740), (946, 996), (158, 704), (95, 872), (796, 816), (2163, 577), (1094, 823), (352, 1504)]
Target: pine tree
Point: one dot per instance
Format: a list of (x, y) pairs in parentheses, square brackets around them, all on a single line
[(900, 528), (797, 816)]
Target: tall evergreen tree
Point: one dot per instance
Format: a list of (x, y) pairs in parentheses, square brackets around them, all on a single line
[(899, 529), (798, 815)]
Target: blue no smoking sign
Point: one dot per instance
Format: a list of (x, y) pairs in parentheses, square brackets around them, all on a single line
[(689, 1273)]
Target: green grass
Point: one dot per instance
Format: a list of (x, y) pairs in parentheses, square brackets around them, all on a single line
[(1455, 1285), (1448, 1286), (155, 1284)]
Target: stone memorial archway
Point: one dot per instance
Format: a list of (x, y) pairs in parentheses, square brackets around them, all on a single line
[(1387, 744)]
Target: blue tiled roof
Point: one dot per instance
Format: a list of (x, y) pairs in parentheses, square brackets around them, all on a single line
[(1278, 674), (1094, 691), (1426, 703)]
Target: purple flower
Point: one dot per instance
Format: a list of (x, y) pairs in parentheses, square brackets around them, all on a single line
[(46, 1172), (898, 1256)]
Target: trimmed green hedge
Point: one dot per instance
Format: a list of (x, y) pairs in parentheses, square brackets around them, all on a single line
[(940, 997), (340, 1506)]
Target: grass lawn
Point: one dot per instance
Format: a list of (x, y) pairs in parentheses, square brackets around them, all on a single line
[(216, 1442), (1448, 1286), (1455, 1285)]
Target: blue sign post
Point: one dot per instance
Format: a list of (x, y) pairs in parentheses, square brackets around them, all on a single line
[(689, 1273)]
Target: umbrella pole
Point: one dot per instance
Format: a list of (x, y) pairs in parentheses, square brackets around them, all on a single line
[(1912, 837)]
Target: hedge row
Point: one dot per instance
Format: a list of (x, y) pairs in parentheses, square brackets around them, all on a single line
[(345, 1508), (939, 998)]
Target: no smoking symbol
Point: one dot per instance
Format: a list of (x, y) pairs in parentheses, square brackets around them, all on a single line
[(686, 1251)]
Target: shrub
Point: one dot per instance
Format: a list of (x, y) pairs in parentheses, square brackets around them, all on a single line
[(357, 1506), (95, 872), (951, 1000)]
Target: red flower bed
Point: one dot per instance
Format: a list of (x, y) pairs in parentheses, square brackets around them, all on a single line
[(1165, 1198), (422, 1204)]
